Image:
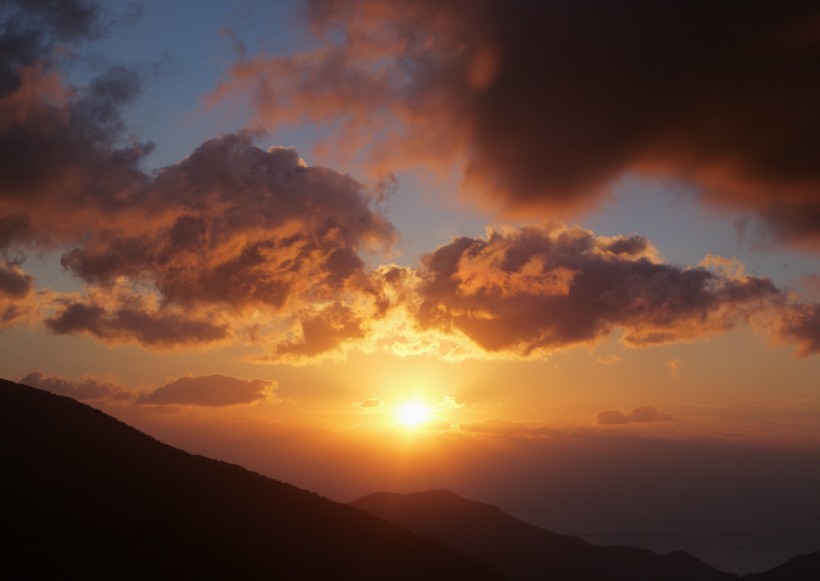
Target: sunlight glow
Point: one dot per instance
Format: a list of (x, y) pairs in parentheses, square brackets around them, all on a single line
[(413, 414)]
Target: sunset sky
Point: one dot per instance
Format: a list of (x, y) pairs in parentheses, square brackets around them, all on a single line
[(563, 257)]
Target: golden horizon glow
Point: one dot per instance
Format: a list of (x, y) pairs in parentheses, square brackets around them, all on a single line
[(413, 414)]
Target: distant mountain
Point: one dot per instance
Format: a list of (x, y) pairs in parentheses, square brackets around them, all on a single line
[(801, 568), (522, 551), (83, 495)]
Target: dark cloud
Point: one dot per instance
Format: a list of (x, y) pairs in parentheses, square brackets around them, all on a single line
[(29, 30), (138, 323), (547, 103), (16, 293), (13, 281), (539, 288), (211, 390), (640, 415), (83, 390), (800, 325), (63, 159)]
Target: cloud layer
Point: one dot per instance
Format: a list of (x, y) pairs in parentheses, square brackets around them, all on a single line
[(644, 414), (239, 244), (544, 105), (203, 390)]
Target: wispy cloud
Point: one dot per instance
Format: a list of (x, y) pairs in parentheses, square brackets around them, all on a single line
[(640, 415)]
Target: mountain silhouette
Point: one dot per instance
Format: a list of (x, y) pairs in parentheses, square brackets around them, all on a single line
[(86, 496), (522, 551), (800, 568)]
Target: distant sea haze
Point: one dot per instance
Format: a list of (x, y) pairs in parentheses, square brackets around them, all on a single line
[(731, 545)]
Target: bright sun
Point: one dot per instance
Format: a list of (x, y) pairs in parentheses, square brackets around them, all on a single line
[(413, 414)]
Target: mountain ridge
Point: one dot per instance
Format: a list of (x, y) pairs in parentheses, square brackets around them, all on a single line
[(85, 493), (523, 551), (519, 550)]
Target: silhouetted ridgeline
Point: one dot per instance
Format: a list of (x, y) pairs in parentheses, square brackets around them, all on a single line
[(86, 496), (522, 551)]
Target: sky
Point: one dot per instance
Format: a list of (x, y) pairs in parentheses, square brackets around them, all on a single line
[(562, 257)]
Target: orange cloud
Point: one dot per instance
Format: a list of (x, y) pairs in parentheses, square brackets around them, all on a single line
[(614, 284), (507, 427), (369, 403), (233, 241), (640, 415)]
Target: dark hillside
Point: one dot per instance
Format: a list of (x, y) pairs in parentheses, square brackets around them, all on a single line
[(87, 496), (522, 551)]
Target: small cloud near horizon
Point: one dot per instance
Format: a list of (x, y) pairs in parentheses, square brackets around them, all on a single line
[(644, 414), (211, 390), (85, 389), (507, 427), (673, 367), (369, 403)]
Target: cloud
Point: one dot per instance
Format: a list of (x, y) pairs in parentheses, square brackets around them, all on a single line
[(543, 105), (211, 390), (609, 360), (63, 156), (448, 403), (640, 415), (530, 290), (507, 427), (257, 235), (16, 294), (136, 323), (239, 243), (800, 325), (88, 389), (273, 229), (232, 241), (369, 403), (673, 367)]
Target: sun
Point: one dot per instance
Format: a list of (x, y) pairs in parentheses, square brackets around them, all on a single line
[(413, 414)]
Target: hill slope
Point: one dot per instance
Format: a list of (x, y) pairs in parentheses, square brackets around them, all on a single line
[(522, 551), (84, 495), (800, 568)]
